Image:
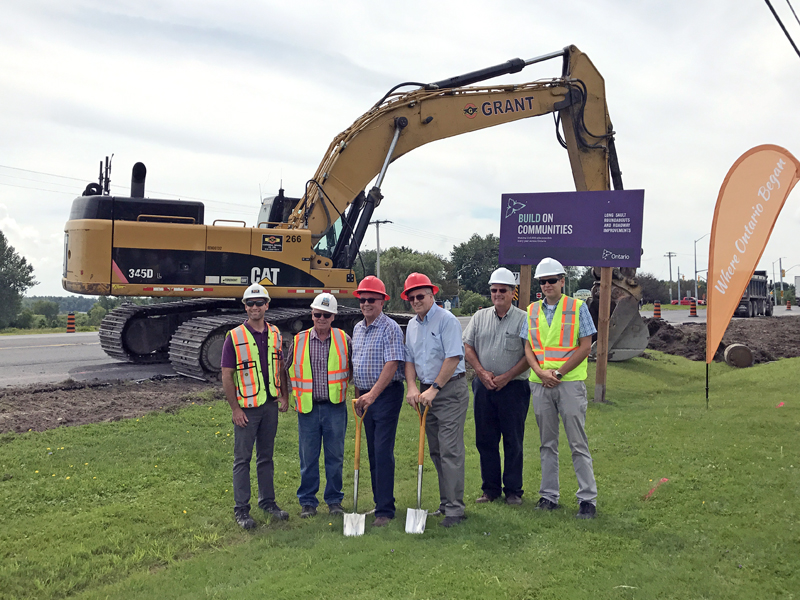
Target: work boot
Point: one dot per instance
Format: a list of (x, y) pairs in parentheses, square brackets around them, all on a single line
[(513, 499), (308, 511), (381, 521), (485, 498), (335, 509), (244, 520), (453, 521), (586, 511), (275, 510), (545, 504)]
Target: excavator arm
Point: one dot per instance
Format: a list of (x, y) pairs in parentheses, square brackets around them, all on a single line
[(401, 122)]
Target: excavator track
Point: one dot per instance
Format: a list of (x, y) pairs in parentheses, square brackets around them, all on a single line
[(140, 334)]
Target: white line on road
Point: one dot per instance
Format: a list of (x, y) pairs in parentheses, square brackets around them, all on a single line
[(49, 346)]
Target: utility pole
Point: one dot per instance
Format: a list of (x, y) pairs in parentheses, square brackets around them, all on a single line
[(669, 255), (780, 268), (378, 246), (695, 263), (679, 284)]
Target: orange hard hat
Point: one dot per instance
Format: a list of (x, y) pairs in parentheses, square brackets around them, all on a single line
[(370, 283), (417, 280)]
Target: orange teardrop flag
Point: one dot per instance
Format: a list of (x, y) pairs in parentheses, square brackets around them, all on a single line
[(749, 201)]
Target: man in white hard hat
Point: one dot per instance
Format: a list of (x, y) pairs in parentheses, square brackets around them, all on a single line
[(435, 354), (378, 355), (320, 371), (558, 334), (253, 380), (501, 391)]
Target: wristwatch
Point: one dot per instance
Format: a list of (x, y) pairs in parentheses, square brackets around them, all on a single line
[(436, 386), (558, 375)]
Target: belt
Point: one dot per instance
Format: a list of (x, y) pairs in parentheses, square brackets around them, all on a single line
[(425, 386), (391, 383)]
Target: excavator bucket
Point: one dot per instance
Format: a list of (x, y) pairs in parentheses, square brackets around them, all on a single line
[(627, 332)]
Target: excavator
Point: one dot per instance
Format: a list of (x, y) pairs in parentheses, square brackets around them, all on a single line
[(300, 247)]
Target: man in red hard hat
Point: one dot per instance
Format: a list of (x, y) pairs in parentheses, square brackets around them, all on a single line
[(378, 355), (435, 354)]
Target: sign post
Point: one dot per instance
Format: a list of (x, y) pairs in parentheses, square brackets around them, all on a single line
[(598, 228)]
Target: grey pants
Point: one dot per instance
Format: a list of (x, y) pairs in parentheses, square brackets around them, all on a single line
[(445, 431), (262, 425), (567, 399)]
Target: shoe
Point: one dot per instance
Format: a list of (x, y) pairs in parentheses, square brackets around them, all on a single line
[(485, 498), (439, 512), (308, 511), (453, 521), (273, 509), (513, 500), (545, 504), (586, 511), (244, 520), (381, 521), (335, 509)]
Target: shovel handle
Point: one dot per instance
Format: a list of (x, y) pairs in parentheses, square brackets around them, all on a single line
[(422, 417), (359, 421)]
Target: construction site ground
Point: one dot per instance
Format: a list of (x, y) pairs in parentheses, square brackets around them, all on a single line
[(47, 406)]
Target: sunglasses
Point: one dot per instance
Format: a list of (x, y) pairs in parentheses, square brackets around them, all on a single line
[(500, 291), (252, 303), (418, 297), (551, 281), (368, 300), (322, 315)]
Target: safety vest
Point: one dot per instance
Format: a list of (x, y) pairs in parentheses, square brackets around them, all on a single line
[(554, 344), (250, 388), (300, 371)]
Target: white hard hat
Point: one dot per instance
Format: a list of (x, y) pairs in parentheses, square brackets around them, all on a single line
[(548, 267), (503, 276), (326, 302), (256, 291)]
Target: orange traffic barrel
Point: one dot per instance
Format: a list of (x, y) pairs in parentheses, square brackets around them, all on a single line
[(657, 310), (788, 305), (71, 322), (693, 309)]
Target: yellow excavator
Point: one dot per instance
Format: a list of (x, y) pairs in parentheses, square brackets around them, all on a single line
[(300, 247)]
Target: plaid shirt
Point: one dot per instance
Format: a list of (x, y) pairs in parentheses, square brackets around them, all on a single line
[(318, 356), (373, 347)]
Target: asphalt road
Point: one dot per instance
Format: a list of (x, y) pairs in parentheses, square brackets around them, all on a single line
[(54, 357)]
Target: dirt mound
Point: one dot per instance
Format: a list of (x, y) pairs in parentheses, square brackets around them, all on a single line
[(770, 338)]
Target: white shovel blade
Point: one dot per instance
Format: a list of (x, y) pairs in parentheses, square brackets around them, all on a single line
[(415, 520), (353, 524)]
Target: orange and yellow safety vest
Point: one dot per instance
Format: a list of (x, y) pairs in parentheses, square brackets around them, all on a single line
[(554, 344), (250, 389), (300, 371)]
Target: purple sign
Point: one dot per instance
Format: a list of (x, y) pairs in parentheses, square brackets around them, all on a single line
[(598, 229)]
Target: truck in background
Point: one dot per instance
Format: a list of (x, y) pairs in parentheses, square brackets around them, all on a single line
[(756, 300)]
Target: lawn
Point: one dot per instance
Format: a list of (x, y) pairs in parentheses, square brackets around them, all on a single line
[(142, 508)]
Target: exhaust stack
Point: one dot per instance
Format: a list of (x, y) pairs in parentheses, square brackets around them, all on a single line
[(137, 180)]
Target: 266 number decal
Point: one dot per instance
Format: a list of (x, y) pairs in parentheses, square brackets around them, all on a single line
[(292, 239)]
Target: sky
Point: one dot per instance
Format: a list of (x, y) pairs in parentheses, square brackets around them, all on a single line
[(225, 102)]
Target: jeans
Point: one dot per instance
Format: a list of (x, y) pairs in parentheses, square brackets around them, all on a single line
[(326, 425), (261, 427), (501, 413), (380, 426)]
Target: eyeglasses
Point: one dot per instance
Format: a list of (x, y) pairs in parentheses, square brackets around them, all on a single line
[(418, 297), (252, 303), (368, 300), (322, 315), (499, 291), (551, 281)]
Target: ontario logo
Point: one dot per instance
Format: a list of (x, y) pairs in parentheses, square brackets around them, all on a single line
[(608, 254), (470, 110)]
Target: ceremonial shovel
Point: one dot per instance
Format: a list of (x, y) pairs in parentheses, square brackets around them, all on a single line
[(354, 522), (416, 518)]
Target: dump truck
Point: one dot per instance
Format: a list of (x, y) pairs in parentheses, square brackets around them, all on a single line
[(756, 300)]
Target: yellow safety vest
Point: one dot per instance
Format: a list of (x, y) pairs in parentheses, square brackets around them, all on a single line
[(300, 371), (250, 388), (554, 344)]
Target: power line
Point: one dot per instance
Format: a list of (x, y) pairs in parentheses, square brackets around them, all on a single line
[(778, 19), (794, 13)]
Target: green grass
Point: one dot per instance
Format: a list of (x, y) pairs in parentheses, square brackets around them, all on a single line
[(16, 331), (723, 526)]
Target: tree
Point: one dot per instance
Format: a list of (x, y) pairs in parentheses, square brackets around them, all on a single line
[(474, 260), (16, 276), (46, 308), (399, 263), (369, 258), (653, 289)]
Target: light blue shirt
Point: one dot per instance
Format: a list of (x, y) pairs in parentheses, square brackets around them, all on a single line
[(433, 339)]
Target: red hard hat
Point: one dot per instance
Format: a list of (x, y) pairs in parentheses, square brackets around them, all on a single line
[(370, 283), (417, 280)]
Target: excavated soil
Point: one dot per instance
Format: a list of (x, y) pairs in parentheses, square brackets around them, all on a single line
[(769, 338), (41, 407)]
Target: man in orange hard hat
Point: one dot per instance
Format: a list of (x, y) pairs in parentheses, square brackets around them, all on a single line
[(435, 354), (378, 355)]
